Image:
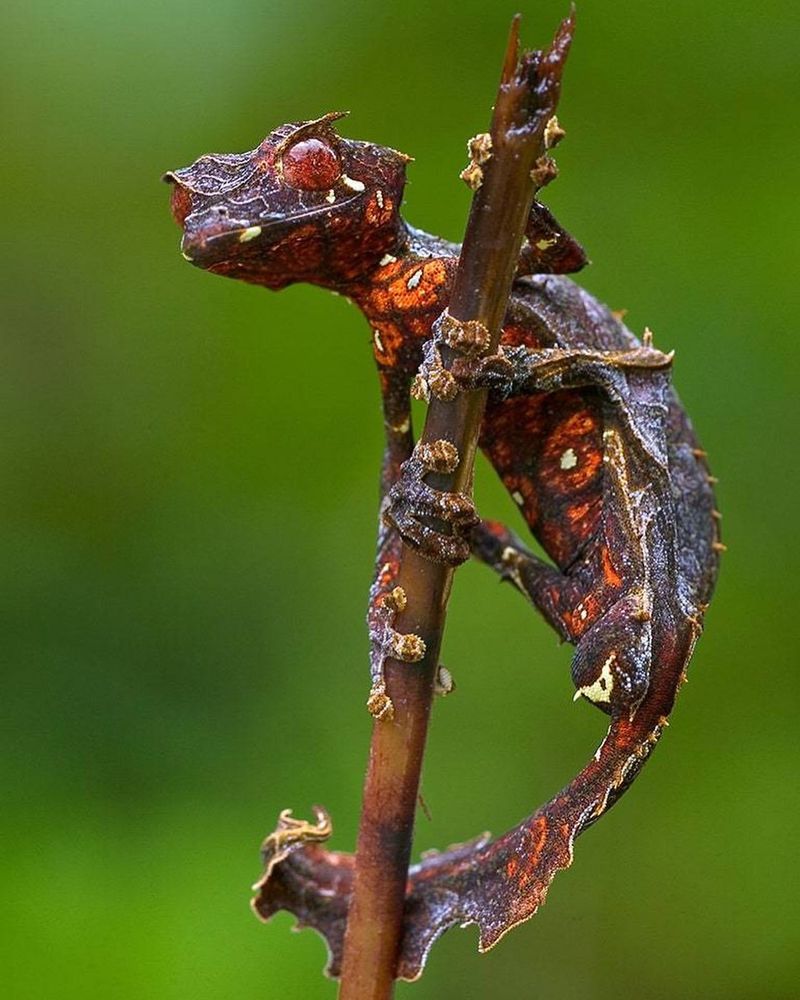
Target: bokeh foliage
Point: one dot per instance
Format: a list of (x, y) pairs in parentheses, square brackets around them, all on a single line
[(190, 485)]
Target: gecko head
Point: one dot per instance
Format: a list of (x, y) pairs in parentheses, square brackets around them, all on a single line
[(611, 666), (305, 205)]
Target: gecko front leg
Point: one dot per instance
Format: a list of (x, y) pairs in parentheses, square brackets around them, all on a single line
[(435, 522), (386, 598), (469, 338)]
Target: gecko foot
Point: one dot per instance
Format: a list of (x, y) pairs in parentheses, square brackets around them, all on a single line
[(436, 523), (469, 338), (494, 372), (433, 380), (387, 643)]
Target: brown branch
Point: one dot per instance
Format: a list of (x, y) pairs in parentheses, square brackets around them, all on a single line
[(506, 184)]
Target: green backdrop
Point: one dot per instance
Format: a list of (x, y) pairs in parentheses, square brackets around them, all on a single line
[(189, 527)]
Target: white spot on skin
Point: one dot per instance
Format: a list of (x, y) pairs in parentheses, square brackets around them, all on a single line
[(601, 689), (387, 259), (402, 428), (517, 497), (379, 198), (330, 197), (249, 234), (569, 459), (414, 280), (354, 185), (376, 336), (546, 244)]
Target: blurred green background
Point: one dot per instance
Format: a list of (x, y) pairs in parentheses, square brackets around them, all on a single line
[(189, 528)]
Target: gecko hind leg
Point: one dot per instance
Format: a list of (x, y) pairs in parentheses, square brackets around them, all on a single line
[(551, 592), (610, 667)]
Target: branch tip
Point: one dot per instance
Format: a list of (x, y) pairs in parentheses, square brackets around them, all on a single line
[(511, 59)]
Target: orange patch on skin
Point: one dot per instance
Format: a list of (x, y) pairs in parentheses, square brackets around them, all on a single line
[(496, 529), (510, 427), (577, 512), (518, 336), (537, 836), (389, 296), (572, 456), (387, 344), (378, 301), (377, 214), (429, 290), (576, 621), (581, 423), (398, 290), (626, 733), (573, 524), (424, 292), (610, 574), (387, 575)]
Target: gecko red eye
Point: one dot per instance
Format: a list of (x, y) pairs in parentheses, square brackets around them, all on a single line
[(312, 165)]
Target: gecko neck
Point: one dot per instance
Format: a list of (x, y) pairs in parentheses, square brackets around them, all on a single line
[(412, 281)]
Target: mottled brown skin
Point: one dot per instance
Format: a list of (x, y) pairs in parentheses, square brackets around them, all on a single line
[(587, 435)]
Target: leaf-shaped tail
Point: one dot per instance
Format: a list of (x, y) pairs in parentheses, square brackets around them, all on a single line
[(502, 883), (308, 881), (496, 884)]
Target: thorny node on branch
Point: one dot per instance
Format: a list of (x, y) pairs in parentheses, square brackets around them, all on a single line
[(583, 428)]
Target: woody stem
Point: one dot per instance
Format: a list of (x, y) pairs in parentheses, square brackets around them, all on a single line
[(526, 99)]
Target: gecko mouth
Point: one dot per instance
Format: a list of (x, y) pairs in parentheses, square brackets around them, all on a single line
[(213, 234), (208, 244)]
